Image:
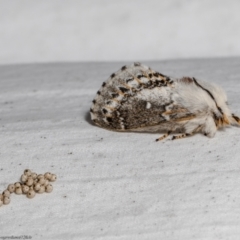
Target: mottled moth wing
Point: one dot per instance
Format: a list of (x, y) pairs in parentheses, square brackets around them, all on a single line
[(136, 98)]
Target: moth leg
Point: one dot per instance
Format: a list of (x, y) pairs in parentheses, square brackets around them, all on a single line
[(197, 129), (163, 136), (209, 129), (181, 136)]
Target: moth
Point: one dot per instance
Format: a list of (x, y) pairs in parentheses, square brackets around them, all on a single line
[(137, 98)]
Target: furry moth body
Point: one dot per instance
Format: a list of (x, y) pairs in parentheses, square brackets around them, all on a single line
[(137, 98)]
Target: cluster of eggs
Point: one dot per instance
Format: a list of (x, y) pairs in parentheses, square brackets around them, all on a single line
[(30, 184)]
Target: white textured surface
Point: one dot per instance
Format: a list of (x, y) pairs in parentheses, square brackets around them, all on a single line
[(107, 30), (114, 185)]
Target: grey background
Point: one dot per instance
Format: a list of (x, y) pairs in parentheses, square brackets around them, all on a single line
[(107, 30)]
